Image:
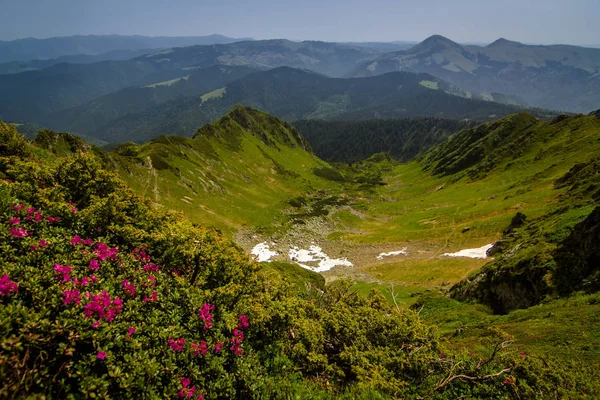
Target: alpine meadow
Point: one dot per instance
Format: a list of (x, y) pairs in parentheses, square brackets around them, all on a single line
[(320, 204)]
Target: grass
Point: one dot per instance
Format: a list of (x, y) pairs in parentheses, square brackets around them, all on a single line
[(247, 187), (426, 272), (567, 329), (405, 295), (429, 84)]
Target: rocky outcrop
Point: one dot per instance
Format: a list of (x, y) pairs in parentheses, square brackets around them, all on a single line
[(578, 257)]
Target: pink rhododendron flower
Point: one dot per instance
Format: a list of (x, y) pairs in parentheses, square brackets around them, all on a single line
[(101, 355), (93, 278), (200, 348), (30, 210), (88, 242), (19, 207), (186, 392), (65, 271), (73, 208), (102, 307), (218, 347), (152, 281), (150, 267), (38, 217), (15, 220), (94, 265), (153, 297), (204, 315), (104, 252), (76, 240), (96, 324), (243, 322), (42, 244), (140, 254), (18, 233), (52, 220), (71, 296), (236, 342), (129, 287), (522, 354), (177, 345), (7, 287), (130, 331)]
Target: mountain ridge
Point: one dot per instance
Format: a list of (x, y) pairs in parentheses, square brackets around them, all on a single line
[(560, 77)]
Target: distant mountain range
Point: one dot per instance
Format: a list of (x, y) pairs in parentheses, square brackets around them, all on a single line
[(41, 49), (290, 94), (29, 96), (176, 89), (15, 67), (558, 77)]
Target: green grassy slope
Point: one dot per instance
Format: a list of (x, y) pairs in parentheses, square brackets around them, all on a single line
[(238, 171)]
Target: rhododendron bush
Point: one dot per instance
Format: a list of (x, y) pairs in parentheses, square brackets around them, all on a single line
[(104, 295)]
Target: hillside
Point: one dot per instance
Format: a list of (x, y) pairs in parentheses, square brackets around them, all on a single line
[(351, 141), (557, 77), (137, 99), (293, 94), (234, 172)]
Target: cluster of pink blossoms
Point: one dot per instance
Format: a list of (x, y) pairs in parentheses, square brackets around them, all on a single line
[(200, 348), (177, 345), (104, 252), (204, 314), (7, 287), (102, 306), (31, 215), (187, 391), (129, 287), (238, 336), (141, 255), (41, 245)]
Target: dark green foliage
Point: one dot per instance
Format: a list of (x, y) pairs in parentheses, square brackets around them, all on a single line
[(476, 151), (329, 173), (88, 117), (60, 143), (351, 141), (293, 94), (11, 142)]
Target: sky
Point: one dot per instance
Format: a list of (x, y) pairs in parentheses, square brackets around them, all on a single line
[(480, 21)]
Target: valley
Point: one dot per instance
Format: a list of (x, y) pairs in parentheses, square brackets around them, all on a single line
[(219, 217)]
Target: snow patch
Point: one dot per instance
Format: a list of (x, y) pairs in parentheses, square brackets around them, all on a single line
[(402, 252), (315, 254), (480, 252), (263, 252)]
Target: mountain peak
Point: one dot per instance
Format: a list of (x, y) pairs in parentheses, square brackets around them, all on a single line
[(436, 43), (504, 42), (269, 129)]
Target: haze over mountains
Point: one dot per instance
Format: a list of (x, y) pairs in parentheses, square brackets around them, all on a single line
[(160, 92), (41, 49)]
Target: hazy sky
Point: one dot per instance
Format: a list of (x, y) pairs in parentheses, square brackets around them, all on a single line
[(532, 21)]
